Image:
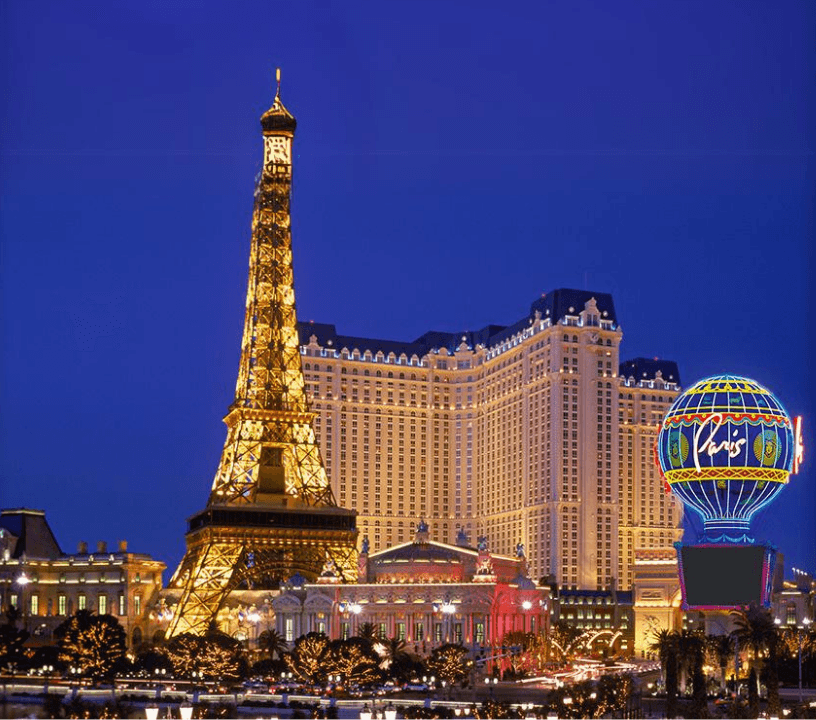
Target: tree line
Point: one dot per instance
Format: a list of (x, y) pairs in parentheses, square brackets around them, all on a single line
[(95, 646), (770, 649)]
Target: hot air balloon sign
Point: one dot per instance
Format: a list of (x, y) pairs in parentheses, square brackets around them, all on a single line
[(726, 448)]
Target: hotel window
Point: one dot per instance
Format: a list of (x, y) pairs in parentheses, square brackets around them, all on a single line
[(457, 633), (480, 633), (437, 632), (103, 605), (321, 627), (35, 604), (419, 630), (382, 631), (401, 631), (137, 604), (121, 603), (790, 614), (344, 631), (62, 605), (289, 629), (82, 602)]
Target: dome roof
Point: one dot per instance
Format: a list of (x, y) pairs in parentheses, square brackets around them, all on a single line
[(278, 118), (421, 552)]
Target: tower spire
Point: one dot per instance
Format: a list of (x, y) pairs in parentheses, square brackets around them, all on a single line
[(277, 80)]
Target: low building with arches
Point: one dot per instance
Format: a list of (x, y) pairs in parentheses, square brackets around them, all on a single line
[(424, 592), (656, 597)]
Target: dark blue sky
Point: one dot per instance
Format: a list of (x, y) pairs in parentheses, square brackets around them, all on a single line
[(453, 161)]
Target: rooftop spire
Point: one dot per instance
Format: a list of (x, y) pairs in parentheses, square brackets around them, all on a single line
[(277, 118)]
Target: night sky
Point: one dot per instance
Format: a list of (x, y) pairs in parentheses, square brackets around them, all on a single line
[(453, 161)]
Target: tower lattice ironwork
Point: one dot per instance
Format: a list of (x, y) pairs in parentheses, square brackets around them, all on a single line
[(271, 512)]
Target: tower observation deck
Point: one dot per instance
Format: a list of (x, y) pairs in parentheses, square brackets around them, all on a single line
[(271, 512)]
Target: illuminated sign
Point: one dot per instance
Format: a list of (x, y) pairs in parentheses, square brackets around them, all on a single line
[(798, 447), (726, 448)]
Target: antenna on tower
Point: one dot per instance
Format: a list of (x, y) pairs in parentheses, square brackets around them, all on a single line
[(277, 79)]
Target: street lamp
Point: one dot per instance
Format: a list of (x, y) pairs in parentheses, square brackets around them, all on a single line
[(446, 609), (23, 580), (799, 628), (352, 610), (491, 682), (250, 617)]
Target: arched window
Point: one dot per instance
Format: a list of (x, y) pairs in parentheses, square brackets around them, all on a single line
[(137, 637)]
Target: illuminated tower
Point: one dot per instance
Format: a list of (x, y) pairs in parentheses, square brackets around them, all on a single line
[(271, 511)]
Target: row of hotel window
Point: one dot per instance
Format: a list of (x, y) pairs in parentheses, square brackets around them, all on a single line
[(82, 604)]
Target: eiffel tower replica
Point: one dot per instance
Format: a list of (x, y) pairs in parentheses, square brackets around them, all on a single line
[(271, 512)]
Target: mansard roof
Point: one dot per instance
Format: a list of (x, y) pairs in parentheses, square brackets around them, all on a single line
[(555, 306), (34, 536), (558, 304), (647, 369)]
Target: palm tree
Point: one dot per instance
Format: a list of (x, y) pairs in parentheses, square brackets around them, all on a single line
[(721, 648), (273, 643), (399, 663), (665, 644), (753, 693), (394, 649), (772, 675), (12, 614), (691, 649), (687, 642), (367, 631), (755, 627)]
